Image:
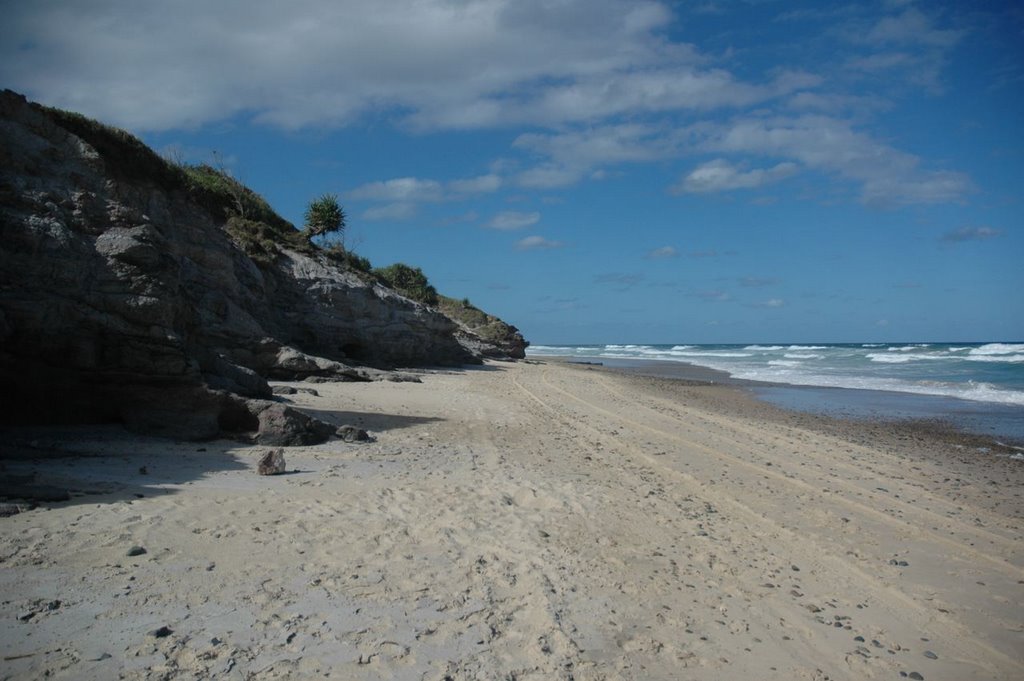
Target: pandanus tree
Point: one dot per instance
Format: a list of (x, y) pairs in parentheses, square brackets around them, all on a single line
[(324, 216)]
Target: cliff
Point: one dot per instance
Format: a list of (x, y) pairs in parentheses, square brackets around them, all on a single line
[(129, 293)]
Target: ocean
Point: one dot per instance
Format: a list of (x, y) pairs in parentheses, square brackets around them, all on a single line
[(978, 387)]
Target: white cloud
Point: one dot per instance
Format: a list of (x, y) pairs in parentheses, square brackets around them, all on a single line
[(512, 220), (403, 194), (483, 184), (600, 83), (572, 155), (549, 176), (887, 176), (320, 62), (911, 27), (720, 175), (390, 211), (399, 189), (663, 253), (535, 243), (440, 64), (910, 46), (770, 303)]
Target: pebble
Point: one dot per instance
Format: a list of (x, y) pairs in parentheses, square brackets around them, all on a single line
[(916, 676), (162, 632), (930, 655), (136, 551)]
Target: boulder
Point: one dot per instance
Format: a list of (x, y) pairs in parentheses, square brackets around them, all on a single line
[(281, 425), (272, 462)]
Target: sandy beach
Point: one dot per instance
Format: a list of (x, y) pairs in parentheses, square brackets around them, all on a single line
[(520, 521)]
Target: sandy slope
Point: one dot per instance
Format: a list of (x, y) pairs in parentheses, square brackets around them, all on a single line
[(523, 521)]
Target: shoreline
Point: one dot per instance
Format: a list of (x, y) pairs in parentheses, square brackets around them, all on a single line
[(535, 520), (949, 418)]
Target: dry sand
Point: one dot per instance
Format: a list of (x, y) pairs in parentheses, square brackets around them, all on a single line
[(521, 521)]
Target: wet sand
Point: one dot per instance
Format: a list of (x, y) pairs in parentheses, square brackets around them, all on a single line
[(527, 521)]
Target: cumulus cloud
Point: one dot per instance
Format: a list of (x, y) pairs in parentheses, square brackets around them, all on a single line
[(887, 176), (319, 62), (912, 26), (483, 184), (390, 211), (402, 195), (537, 243), (439, 64), (571, 155), (909, 44), (599, 82), (512, 220), (398, 189), (971, 234), (720, 175)]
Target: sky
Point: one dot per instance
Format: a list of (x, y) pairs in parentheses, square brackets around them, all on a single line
[(601, 171)]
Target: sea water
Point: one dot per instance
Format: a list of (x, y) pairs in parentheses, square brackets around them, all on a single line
[(977, 386)]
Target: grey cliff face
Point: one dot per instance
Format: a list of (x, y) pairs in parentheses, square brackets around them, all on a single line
[(123, 299)]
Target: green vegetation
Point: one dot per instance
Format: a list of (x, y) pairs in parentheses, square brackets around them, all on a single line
[(254, 226), (250, 221), (323, 216), (125, 155), (488, 327), (256, 239), (409, 281), (346, 258)]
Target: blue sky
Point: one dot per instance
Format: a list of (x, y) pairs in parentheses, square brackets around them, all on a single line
[(599, 170)]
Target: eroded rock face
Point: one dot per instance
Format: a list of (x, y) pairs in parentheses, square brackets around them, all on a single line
[(123, 299)]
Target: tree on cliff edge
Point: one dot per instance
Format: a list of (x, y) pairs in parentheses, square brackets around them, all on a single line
[(323, 216)]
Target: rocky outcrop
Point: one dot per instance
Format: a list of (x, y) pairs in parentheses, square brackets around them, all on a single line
[(123, 298), (483, 334)]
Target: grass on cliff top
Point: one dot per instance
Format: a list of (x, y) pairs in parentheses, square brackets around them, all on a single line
[(247, 217), (487, 326), (125, 154), (250, 221)]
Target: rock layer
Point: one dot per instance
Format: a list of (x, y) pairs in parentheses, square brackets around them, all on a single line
[(122, 298)]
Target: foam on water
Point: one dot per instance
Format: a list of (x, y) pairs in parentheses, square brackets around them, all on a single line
[(998, 349), (989, 372)]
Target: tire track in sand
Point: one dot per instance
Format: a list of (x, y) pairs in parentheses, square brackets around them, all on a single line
[(896, 602)]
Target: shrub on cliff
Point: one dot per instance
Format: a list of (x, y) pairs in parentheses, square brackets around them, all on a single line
[(409, 281), (353, 261)]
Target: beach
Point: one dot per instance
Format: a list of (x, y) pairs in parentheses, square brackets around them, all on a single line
[(527, 520)]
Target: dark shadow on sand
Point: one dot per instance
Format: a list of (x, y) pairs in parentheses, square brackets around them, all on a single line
[(105, 464), (369, 421)]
